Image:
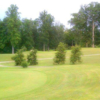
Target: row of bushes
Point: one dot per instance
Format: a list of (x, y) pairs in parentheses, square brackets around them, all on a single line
[(19, 58), (60, 56)]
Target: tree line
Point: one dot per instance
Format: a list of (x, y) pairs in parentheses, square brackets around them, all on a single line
[(85, 29), (44, 33)]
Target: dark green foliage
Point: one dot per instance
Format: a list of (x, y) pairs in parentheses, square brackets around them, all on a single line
[(40, 33), (24, 48), (32, 57), (46, 23), (85, 22), (24, 64), (60, 55), (19, 57), (45, 33), (75, 54), (13, 25), (27, 33)]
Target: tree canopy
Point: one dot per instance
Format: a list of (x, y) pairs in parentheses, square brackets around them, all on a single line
[(44, 33), (87, 21)]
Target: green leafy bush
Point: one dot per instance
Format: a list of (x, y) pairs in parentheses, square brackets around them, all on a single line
[(24, 64), (75, 55), (19, 57), (32, 57), (60, 54), (24, 48)]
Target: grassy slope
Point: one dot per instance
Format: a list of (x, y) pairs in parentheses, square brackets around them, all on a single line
[(59, 82), (50, 54)]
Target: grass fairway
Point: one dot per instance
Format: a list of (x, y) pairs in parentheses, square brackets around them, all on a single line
[(15, 82), (53, 82)]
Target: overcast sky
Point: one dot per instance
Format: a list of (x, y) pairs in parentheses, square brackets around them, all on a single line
[(60, 9)]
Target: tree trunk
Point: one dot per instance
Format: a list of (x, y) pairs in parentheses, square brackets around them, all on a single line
[(48, 47), (93, 34), (43, 47), (12, 50)]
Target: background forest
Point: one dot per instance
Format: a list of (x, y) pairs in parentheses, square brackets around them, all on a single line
[(44, 33)]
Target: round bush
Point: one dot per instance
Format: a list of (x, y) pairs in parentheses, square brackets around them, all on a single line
[(18, 57), (24, 64)]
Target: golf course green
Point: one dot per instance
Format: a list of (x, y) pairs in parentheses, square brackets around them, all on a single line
[(46, 81)]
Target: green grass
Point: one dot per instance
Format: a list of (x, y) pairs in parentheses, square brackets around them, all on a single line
[(17, 82), (52, 82), (50, 54), (6, 57)]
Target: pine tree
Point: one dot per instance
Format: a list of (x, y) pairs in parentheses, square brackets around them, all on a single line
[(32, 57), (60, 54), (75, 55)]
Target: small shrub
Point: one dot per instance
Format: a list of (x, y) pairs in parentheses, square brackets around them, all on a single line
[(32, 57), (19, 57), (24, 48), (60, 55), (24, 64), (75, 55)]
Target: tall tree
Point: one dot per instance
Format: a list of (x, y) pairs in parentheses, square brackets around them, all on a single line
[(69, 37), (13, 25), (2, 44), (27, 33), (93, 15), (60, 32), (5, 45), (46, 21), (87, 19)]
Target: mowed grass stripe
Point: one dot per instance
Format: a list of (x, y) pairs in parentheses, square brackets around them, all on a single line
[(63, 82), (16, 82), (75, 82)]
